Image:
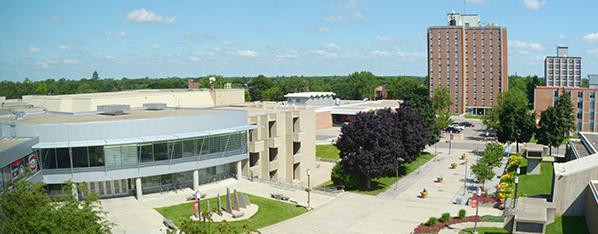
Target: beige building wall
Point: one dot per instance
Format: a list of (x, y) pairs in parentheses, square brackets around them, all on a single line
[(283, 148), (323, 120), (136, 98)]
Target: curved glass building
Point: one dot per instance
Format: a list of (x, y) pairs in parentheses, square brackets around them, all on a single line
[(118, 152)]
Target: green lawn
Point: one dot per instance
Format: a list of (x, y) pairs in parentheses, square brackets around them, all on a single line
[(567, 224), (484, 230), (270, 212), (327, 152), (532, 185), (381, 184)]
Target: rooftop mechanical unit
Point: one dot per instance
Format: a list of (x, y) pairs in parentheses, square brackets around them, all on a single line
[(113, 109), (154, 106)]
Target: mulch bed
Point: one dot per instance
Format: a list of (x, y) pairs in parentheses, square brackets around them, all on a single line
[(422, 228), (485, 198)]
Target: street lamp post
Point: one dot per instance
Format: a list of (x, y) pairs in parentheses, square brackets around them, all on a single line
[(308, 188), (465, 179), (516, 185), (478, 194), (400, 161)]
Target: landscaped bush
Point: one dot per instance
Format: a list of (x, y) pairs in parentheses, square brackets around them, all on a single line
[(462, 214), (514, 162), (505, 190), (445, 217), (341, 177), (432, 221)]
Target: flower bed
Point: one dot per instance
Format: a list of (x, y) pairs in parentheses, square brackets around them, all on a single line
[(422, 228), (485, 198)]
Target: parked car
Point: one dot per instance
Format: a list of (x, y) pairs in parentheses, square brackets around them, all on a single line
[(466, 124), (453, 129), (457, 126), (279, 196)]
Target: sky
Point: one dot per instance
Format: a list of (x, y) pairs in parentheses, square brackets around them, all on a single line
[(70, 39)]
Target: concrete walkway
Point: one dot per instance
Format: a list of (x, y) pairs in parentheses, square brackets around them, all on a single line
[(391, 212)]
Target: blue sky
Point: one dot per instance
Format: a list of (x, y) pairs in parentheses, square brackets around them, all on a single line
[(71, 39)]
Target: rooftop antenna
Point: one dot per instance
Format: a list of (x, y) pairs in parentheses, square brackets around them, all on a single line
[(464, 5)]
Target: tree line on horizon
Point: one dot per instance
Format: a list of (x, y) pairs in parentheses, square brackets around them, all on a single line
[(356, 86)]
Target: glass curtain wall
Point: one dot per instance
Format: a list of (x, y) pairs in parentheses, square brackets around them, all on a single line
[(131, 155)]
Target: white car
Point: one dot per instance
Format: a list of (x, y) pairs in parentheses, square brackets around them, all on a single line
[(457, 126)]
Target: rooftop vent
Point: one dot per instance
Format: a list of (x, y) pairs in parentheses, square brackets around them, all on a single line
[(113, 109), (154, 106)]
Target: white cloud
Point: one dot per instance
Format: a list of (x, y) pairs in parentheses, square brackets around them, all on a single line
[(156, 46), (325, 54), (71, 61), (291, 53), (33, 49), (525, 47), (534, 4), (381, 53), (352, 7), (246, 53), (323, 29), (144, 16), (592, 51), (590, 38), (116, 34), (382, 38), (333, 18), (331, 46), (62, 47)]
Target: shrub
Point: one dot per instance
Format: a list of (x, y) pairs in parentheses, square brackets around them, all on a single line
[(340, 176), (445, 217), (432, 221), (462, 213), (514, 162)]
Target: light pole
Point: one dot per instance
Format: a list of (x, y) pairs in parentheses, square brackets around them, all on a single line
[(477, 198), (308, 188), (516, 185), (465, 179), (400, 161)]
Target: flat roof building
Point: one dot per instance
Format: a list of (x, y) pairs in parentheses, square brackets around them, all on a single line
[(562, 70), (583, 102), (332, 111), (145, 141), (470, 60), (139, 151)]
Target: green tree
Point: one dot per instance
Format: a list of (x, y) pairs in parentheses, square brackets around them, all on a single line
[(513, 122), (493, 154), (564, 108), (259, 88), (27, 208), (95, 76), (441, 99), (482, 172), (550, 131)]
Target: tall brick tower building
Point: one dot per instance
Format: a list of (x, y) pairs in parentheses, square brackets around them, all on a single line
[(470, 59)]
